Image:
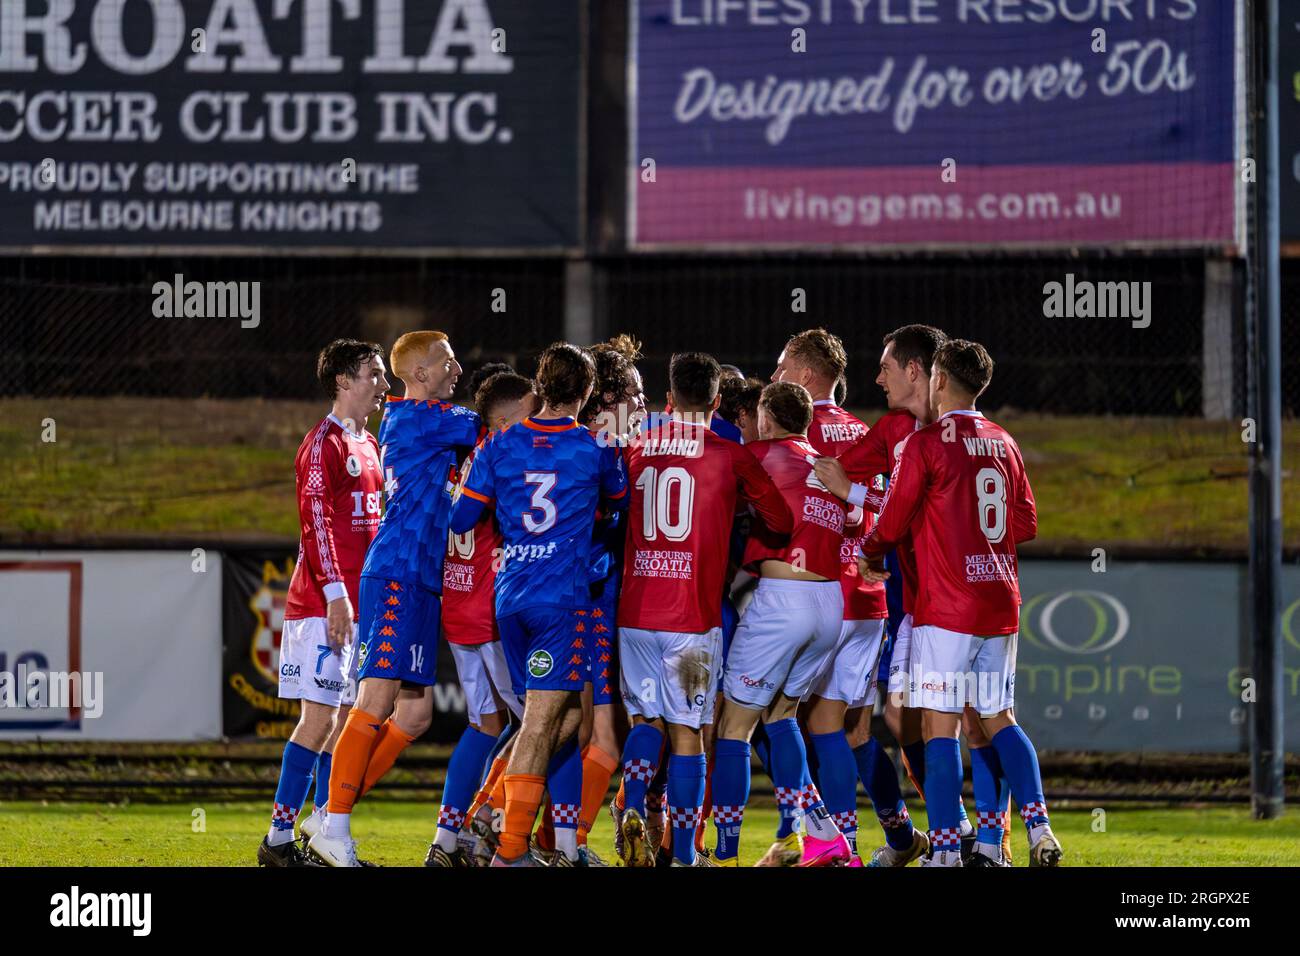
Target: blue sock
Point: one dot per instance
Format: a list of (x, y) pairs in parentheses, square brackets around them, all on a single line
[(564, 783), (685, 799), (640, 764), (656, 795), (464, 771), (915, 754), (943, 792), (878, 775), (761, 747), (985, 769), (963, 821), (814, 763), (789, 772), (291, 793), (839, 782), (730, 794), (322, 795), (1020, 764)]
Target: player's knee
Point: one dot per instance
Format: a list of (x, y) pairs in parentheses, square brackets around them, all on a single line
[(492, 724)]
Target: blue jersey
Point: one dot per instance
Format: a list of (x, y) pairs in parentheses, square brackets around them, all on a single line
[(545, 479), (420, 445)]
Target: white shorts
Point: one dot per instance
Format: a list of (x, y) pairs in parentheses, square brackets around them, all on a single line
[(898, 661), (849, 673), (485, 679), (950, 670), (309, 670), (664, 674), (783, 641)]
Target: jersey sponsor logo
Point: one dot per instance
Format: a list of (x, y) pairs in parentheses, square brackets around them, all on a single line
[(678, 565), (354, 466), (527, 552), (826, 514), (540, 663)]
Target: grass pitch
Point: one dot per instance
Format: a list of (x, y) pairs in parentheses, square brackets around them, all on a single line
[(397, 833)]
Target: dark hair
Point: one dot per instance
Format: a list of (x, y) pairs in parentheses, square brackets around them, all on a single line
[(967, 363), (626, 345), (821, 351), (790, 405), (482, 374), (343, 357), (732, 371), (564, 373), (616, 380), (693, 378), (498, 389), (915, 343), (841, 390), (737, 394)]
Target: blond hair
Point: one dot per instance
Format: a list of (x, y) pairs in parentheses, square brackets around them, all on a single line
[(410, 349)]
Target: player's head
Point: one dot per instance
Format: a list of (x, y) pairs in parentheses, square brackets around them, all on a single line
[(693, 381), (483, 373), (565, 375), (732, 371), (352, 374), (962, 370), (617, 403), (426, 365), (814, 359), (738, 404), (505, 399), (784, 408), (905, 363)]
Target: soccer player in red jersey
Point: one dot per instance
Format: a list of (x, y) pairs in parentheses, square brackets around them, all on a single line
[(686, 483), (816, 360), (340, 484), (469, 625), (960, 491), (787, 633)]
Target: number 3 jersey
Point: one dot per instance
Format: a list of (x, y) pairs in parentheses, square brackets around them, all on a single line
[(960, 487), (544, 478), (339, 488), (421, 443)]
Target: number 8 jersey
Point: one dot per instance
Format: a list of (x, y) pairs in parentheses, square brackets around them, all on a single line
[(960, 487)]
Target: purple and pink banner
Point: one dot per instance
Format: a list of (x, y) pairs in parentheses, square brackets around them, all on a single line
[(769, 123)]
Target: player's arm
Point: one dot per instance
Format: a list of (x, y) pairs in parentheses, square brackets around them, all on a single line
[(902, 502), (316, 517), (475, 492), (613, 479), (1024, 512), (757, 487)]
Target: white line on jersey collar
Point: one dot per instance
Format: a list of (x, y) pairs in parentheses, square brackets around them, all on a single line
[(357, 435), (962, 411), (825, 401)]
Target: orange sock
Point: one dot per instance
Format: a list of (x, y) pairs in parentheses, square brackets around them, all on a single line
[(388, 746), (619, 800), (523, 797), (546, 832), (351, 754), (497, 799), (484, 796), (597, 768)]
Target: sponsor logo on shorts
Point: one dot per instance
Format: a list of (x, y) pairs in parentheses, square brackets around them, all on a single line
[(290, 670), (336, 685), (756, 682), (540, 663)]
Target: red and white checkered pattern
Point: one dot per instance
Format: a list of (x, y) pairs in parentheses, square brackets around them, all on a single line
[(809, 797), (889, 820), (723, 816), (946, 838), (282, 816), (686, 818), (992, 820), (639, 769), (1034, 810), (565, 814), (449, 818), (788, 796), (655, 802), (846, 820)]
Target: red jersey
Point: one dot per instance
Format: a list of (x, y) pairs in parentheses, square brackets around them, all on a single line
[(832, 432), (960, 488), (876, 453), (340, 489), (818, 515), (468, 581), (686, 481)]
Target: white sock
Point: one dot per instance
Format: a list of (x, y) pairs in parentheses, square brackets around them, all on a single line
[(445, 838), (1036, 834), (338, 825), (820, 826), (566, 841), (279, 837), (991, 850), (967, 828), (947, 858)]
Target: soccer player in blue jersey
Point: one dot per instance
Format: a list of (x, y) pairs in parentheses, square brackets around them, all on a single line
[(545, 476), (422, 439)]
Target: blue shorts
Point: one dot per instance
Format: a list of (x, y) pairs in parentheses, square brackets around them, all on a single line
[(542, 649), (593, 628), (398, 630)]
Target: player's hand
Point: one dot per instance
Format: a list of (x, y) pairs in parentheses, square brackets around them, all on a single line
[(872, 568), (339, 622), (831, 474)]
